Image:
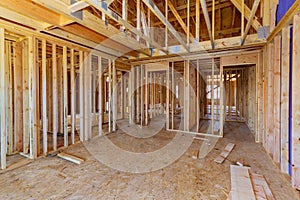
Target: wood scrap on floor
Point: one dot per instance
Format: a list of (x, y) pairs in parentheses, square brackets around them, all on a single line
[(70, 158), (248, 185), (241, 185), (195, 154), (18, 164), (220, 159)]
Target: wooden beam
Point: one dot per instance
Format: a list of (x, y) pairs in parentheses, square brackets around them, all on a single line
[(178, 18), (80, 5), (238, 5), (161, 17), (90, 21), (188, 23), (207, 21), (2, 101), (250, 21)]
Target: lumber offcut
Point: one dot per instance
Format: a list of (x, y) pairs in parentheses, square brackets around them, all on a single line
[(70, 158)]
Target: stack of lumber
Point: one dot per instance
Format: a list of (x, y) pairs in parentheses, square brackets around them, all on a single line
[(246, 185)]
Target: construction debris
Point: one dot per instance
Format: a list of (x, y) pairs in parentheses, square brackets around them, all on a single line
[(220, 159), (248, 185), (70, 158)]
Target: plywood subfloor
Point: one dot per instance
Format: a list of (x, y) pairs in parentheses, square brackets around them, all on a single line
[(187, 178)]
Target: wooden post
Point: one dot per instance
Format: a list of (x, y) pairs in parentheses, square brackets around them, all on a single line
[(123, 100), (2, 101), (44, 98), (73, 114), (65, 95), (296, 104), (87, 96), (100, 94), (114, 97), (81, 95), (168, 98), (138, 17), (284, 118), (54, 93)]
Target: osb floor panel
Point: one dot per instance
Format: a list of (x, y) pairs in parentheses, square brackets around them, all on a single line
[(187, 178)]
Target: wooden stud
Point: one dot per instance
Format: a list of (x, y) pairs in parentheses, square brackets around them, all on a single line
[(213, 20), (81, 95), (65, 95), (284, 123), (188, 23), (18, 97), (146, 97), (166, 28), (2, 101), (33, 118), (100, 82), (186, 95), (296, 105), (213, 95), (173, 94), (222, 99), (276, 88), (54, 91), (207, 21), (73, 112), (131, 94), (142, 95), (137, 89), (197, 21), (109, 94), (168, 98), (198, 95), (8, 96), (114, 97), (44, 98)]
